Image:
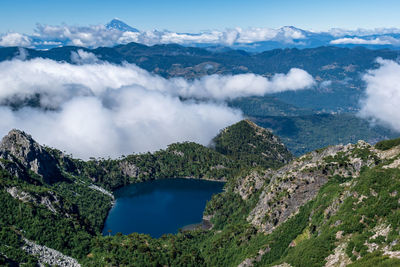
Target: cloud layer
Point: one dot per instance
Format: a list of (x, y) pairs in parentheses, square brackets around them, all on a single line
[(99, 35), (384, 40), (99, 109), (46, 36), (382, 99), (15, 39)]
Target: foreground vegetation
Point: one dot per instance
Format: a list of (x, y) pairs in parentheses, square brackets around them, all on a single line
[(344, 206)]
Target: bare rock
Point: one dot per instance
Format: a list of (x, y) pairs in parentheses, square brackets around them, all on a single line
[(17, 146)]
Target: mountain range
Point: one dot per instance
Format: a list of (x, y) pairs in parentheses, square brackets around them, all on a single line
[(252, 39)]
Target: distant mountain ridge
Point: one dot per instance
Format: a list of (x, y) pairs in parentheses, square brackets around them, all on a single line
[(254, 39)]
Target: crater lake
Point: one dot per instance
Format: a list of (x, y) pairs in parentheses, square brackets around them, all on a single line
[(159, 207)]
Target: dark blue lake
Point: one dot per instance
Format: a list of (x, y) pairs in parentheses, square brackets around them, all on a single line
[(159, 207)]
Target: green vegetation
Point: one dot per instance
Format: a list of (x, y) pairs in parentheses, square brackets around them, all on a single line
[(376, 259), (305, 133), (178, 160), (387, 144), (251, 145), (347, 210), (10, 242), (36, 222), (267, 106), (243, 145)]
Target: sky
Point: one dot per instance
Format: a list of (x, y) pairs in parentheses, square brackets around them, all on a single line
[(193, 16)]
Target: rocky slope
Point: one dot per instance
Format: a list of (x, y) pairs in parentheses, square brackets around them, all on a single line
[(332, 207), (299, 182), (60, 203), (26, 154)]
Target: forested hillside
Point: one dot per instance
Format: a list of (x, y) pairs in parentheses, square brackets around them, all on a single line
[(337, 204), (54, 200)]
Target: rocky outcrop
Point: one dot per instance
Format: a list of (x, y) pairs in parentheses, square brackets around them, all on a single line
[(246, 186), (48, 199), (20, 148), (299, 182), (129, 169), (339, 257), (19, 194), (250, 261), (49, 256)]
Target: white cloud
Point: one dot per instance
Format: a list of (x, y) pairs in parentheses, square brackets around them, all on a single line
[(384, 40), (88, 36), (138, 121), (241, 85), (83, 57), (99, 35), (15, 39), (100, 109), (338, 32), (58, 81), (382, 99)]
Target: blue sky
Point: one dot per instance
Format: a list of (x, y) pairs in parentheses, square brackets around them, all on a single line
[(193, 16)]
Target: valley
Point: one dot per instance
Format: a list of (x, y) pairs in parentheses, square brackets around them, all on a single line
[(265, 216), (200, 133)]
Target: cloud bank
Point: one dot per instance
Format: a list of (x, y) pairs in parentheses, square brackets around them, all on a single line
[(384, 40), (100, 35), (15, 39), (338, 32), (117, 32), (99, 109), (382, 100)]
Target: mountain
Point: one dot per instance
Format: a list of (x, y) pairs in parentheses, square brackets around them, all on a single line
[(249, 143), (192, 160), (21, 149), (333, 206), (119, 25), (50, 200), (337, 205)]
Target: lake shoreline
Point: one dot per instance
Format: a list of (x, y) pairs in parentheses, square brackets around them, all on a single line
[(181, 195), (204, 225), (113, 202)]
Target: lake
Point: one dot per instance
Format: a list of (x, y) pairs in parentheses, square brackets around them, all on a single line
[(159, 207)]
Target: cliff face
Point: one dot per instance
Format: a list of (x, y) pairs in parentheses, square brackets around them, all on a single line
[(45, 197), (20, 148), (331, 207), (298, 182)]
